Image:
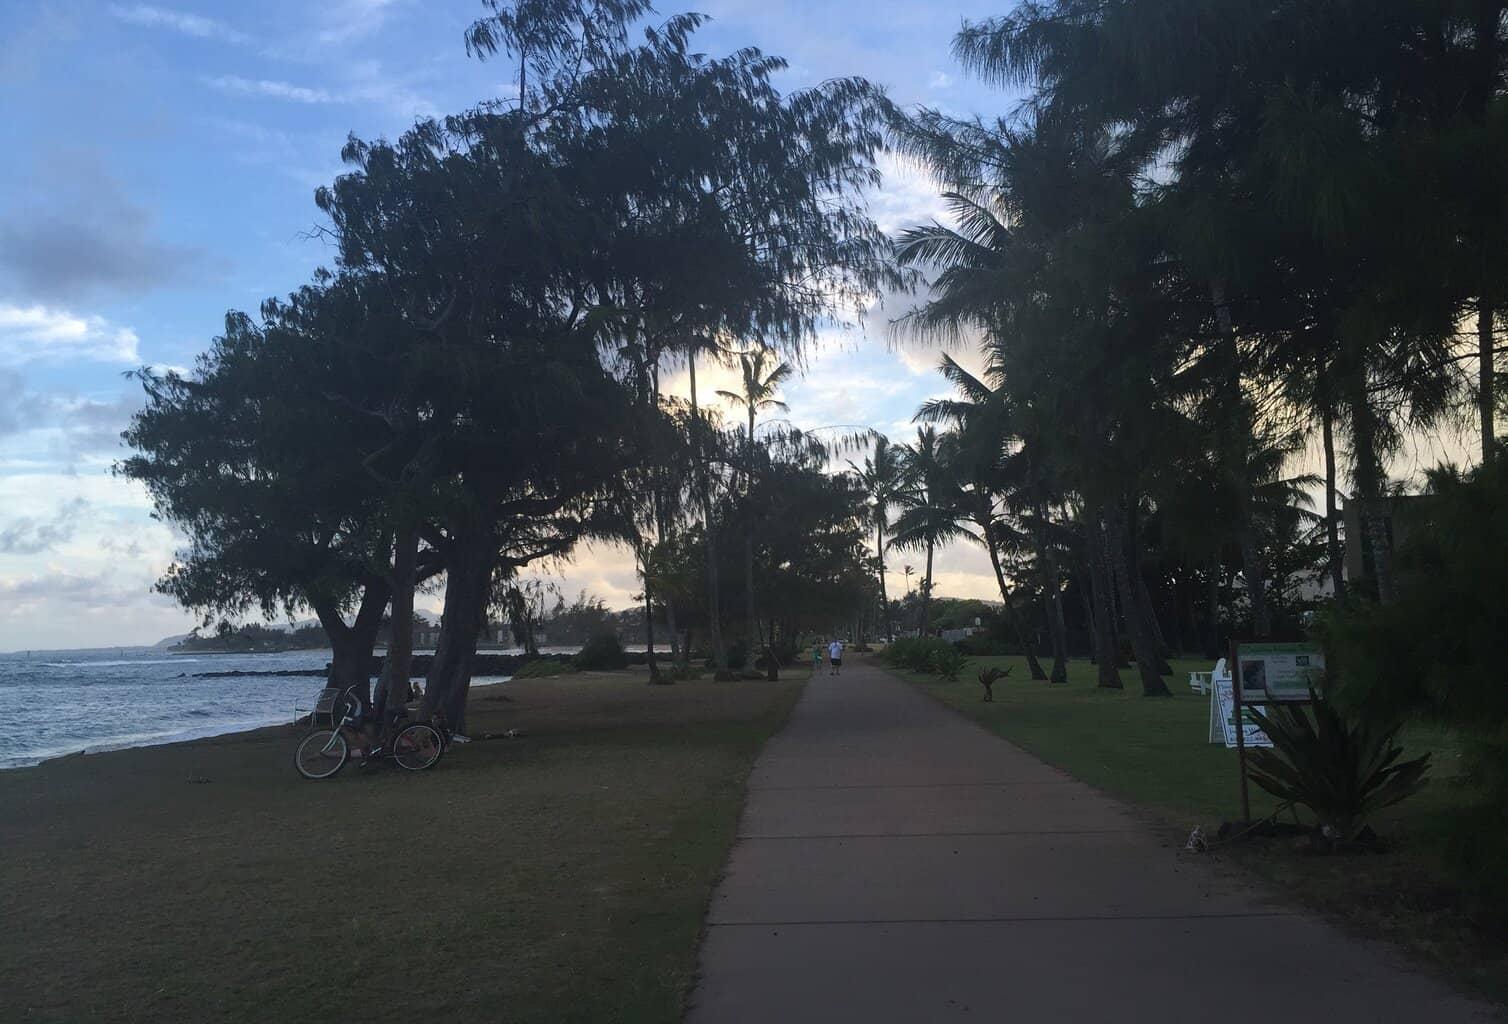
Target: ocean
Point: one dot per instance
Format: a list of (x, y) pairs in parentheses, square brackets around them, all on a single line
[(62, 702)]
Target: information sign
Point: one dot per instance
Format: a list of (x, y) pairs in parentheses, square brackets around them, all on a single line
[(1279, 672)]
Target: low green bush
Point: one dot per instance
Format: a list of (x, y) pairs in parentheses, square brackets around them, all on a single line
[(604, 651), (946, 661), (917, 653)]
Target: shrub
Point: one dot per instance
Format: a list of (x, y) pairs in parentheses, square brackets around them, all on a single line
[(1435, 649), (916, 653), (983, 645), (1343, 769), (604, 651), (947, 662)]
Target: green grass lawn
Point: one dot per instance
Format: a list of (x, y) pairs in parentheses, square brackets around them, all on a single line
[(559, 876), (1153, 752)]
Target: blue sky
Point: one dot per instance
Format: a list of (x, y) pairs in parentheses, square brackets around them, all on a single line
[(160, 165)]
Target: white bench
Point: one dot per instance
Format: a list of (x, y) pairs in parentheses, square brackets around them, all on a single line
[(1204, 682)]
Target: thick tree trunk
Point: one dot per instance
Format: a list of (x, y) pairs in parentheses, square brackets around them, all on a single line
[(1332, 512), (351, 645), (1106, 655), (468, 585), (1486, 371), (704, 488), (1143, 646), (397, 666)]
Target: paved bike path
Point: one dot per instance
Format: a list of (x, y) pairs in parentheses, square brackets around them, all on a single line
[(896, 862)]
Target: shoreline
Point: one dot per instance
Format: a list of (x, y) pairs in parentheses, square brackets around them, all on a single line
[(185, 736)]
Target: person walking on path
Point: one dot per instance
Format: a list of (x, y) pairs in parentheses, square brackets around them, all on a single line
[(816, 656), (835, 656)]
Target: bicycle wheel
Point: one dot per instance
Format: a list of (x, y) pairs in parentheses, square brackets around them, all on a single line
[(417, 746), (321, 754)]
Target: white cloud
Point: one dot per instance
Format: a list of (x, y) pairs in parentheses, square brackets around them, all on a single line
[(940, 80), (367, 83), (906, 198), (30, 333), (354, 19), (181, 22), (272, 89)]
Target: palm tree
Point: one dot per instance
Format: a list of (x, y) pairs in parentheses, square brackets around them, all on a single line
[(985, 456), (760, 383), (883, 480), (929, 513)]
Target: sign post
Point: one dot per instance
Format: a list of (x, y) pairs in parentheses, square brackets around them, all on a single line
[(1276, 674), (1236, 687)]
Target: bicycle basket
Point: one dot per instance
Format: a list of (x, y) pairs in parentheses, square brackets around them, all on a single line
[(324, 707)]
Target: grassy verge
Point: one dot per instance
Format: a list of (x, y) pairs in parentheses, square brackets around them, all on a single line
[(559, 876), (1152, 752)]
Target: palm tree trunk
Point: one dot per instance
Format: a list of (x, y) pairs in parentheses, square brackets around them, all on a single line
[(1149, 613), (1032, 664), (1332, 515), (879, 547), (751, 622), (1486, 370), (649, 627), (1212, 595), (1235, 430), (1099, 576), (1086, 591), (927, 594), (704, 487), (1056, 631), (1369, 484), (1142, 645), (1145, 608)]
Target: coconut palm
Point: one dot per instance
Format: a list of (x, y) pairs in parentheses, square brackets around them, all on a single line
[(759, 384), (883, 479), (930, 510)]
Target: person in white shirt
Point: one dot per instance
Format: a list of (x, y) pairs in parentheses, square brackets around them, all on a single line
[(835, 656)]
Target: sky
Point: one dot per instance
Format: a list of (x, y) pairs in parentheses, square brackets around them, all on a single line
[(160, 166)]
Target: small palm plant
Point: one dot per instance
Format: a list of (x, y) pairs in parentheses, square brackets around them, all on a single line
[(1343, 771)]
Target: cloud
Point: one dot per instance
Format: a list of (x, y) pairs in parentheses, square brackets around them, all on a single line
[(30, 333), (354, 19), (178, 21), (73, 234), (271, 89), (940, 80), (367, 83), (29, 536)]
